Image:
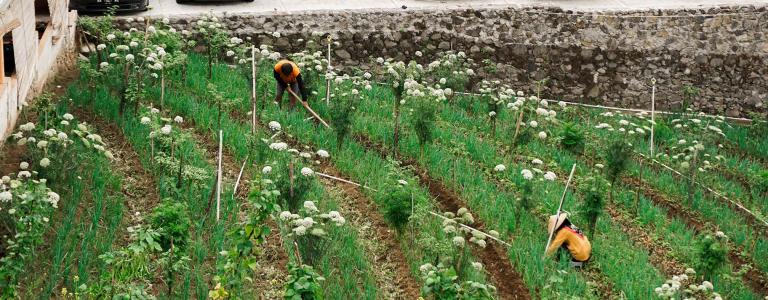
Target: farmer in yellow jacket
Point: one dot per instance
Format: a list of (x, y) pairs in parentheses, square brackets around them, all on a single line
[(288, 75), (569, 237)]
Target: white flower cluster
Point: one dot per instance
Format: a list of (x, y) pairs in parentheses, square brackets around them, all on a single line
[(279, 146), (456, 226), (682, 286), (274, 126), (313, 222), (69, 132)]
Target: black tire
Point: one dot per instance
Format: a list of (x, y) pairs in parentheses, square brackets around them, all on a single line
[(247, 0)]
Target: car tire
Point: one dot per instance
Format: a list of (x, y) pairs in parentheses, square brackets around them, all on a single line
[(247, 0)]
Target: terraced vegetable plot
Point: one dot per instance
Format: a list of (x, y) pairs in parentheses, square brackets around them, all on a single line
[(161, 172)]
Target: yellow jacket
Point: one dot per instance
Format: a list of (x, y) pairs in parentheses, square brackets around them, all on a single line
[(577, 244)]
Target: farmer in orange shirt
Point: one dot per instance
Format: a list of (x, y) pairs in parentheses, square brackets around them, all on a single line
[(288, 75), (569, 237)]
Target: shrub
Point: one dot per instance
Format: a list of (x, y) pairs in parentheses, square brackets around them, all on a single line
[(594, 199), (303, 283), (423, 122), (712, 253), (662, 133), (397, 207), (572, 138), (616, 159), (342, 114), (172, 221)]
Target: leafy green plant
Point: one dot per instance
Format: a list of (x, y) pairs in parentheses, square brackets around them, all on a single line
[(172, 222), (129, 270), (25, 207), (689, 94), (712, 254), (442, 282), (617, 158), (423, 122), (304, 283), (593, 189), (397, 206), (662, 133), (238, 261), (572, 138), (342, 114)]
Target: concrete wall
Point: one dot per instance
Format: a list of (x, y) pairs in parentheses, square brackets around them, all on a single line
[(35, 58), (605, 57)]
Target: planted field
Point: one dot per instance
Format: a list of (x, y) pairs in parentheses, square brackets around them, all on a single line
[(157, 171)]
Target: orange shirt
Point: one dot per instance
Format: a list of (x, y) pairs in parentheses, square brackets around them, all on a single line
[(287, 78), (577, 244)]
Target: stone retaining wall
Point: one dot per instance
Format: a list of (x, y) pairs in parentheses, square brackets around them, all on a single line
[(606, 58)]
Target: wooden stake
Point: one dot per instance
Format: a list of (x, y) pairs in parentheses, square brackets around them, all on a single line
[(239, 176), (328, 81), (218, 180), (253, 89), (306, 105), (162, 88), (343, 180), (653, 112), (290, 175), (475, 230), (560, 207)]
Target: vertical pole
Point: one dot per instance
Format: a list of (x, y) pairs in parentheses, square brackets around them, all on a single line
[(253, 89), (560, 207), (162, 88), (328, 81), (653, 113), (218, 180)]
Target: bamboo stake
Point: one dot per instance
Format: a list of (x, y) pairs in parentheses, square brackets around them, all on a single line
[(290, 176), (653, 112), (560, 208), (239, 176), (162, 88), (344, 180), (253, 89), (473, 229), (218, 180), (308, 108), (328, 81)]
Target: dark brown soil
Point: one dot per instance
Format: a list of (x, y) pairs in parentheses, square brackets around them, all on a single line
[(139, 185), (510, 284), (407, 286), (361, 204)]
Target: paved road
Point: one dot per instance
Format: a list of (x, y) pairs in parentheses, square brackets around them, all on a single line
[(170, 7)]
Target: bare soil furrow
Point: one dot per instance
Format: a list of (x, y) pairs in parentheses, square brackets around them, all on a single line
[(509, 282)]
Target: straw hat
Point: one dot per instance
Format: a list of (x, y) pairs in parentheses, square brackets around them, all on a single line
[(555, 222)]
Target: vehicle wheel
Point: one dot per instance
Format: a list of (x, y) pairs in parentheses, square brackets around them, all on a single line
[(247, 0)]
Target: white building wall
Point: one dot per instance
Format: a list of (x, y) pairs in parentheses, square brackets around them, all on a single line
[(35, 58)]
